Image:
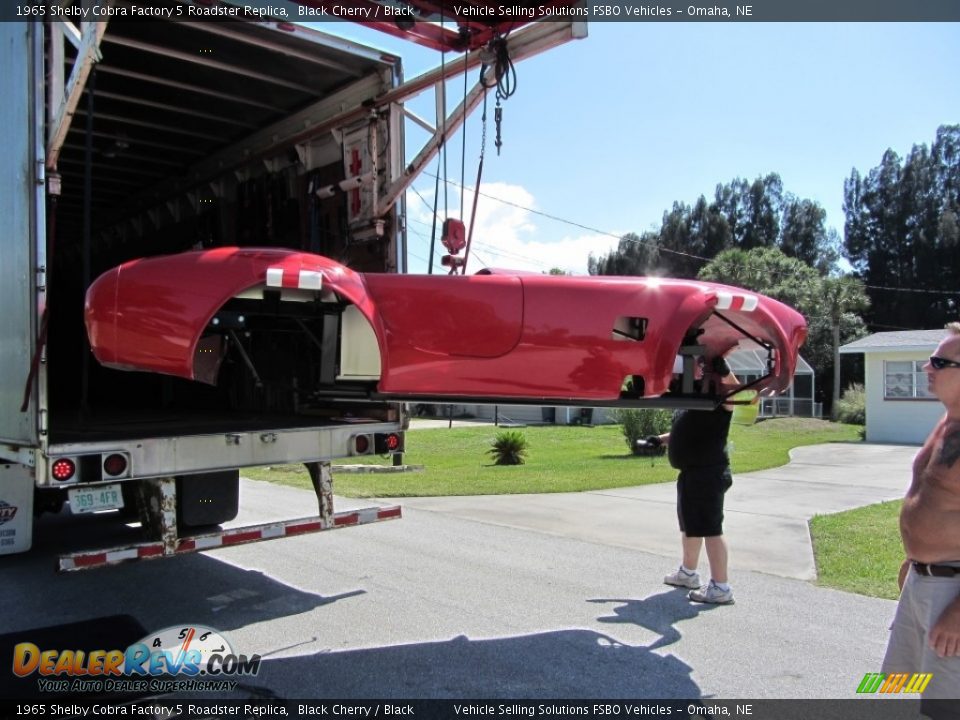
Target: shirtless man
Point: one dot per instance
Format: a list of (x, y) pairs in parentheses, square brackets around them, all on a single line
[(925, 636)]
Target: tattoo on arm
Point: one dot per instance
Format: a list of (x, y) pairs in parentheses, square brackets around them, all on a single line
[(950, 452)]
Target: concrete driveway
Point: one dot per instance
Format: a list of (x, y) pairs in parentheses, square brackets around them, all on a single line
[(766, 511), (555, 596)]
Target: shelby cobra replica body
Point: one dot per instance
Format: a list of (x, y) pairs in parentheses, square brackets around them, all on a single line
[(494, 336)]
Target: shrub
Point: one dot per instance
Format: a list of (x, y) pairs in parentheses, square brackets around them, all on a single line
[(509, 448), (852, 407), (638, 424)]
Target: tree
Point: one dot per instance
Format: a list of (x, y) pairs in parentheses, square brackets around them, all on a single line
[(901, 232), (804, 235), (840, 298), (742, 215), (681, 258), (763, 201), (768, 271), (634, 256), (689, 235), (730, 202)]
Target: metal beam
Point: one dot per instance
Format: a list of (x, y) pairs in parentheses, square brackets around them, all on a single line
[(175, 109), (419, 121), (281, 134), (154, 126), (88, 53), (132, 140), (530, 41), (223, 30), (136, 171), (143, 77), (196, 59), (363, 97)]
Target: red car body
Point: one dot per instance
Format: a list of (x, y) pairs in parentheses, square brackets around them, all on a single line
[(496, 335)]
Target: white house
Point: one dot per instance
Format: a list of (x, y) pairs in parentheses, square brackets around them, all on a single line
[(900, 408)]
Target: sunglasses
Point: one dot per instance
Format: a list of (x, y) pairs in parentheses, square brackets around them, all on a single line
[(939, 363)]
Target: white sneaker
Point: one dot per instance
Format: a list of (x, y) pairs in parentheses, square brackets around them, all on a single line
[(681, 578), (712, 594)]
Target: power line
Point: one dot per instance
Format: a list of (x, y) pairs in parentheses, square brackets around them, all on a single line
[(492, 248), (655, 244), (507, 253), (422, 237), (425, 239), (573, 223), (914, 290)]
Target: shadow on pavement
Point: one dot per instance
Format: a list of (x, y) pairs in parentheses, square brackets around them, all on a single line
[(657, 613), (559, 664), (218, 594)]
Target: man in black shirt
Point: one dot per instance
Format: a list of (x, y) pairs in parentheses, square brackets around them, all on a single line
[(697, 447)]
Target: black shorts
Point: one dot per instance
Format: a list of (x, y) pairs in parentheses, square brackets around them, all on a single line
[(700, 494)]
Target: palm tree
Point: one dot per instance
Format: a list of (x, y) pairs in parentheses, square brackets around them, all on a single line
[(840, 297)]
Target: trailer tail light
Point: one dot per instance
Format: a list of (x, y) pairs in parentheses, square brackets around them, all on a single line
[(115, 465), (63, 469), (361, 445), (388, 443)]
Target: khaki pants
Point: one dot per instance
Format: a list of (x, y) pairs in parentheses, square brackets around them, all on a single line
[(922, 601)]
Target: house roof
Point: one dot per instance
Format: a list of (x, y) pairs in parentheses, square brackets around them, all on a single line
[(899, 340)]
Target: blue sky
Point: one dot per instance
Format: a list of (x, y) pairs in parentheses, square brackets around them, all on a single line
[(607, 132)]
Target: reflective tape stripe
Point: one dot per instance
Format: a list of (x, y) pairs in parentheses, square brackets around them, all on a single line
[(736, 301), (205, 543), (300, 279), (310, 280), (118, 556), (226, 538)]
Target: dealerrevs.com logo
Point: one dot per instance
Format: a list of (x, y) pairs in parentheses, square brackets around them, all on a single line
[(178, 658)]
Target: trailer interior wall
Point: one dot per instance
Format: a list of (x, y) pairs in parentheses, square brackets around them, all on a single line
[(170, 100)]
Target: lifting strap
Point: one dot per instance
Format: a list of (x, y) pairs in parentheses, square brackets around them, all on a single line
[(476, 186)]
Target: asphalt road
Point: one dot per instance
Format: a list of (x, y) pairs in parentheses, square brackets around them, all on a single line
[(442, 606)]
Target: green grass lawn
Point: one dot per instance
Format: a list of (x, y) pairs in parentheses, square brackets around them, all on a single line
[(560, 459), (859, 550)]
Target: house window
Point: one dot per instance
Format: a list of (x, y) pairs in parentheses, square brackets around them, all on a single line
[(904, 380)]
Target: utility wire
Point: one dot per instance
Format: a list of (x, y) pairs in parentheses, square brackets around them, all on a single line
[(538, 262), (662, 249), (425, 239), (586, 227)]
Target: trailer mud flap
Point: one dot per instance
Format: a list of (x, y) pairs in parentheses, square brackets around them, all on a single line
[(224, 538), (16, 509)]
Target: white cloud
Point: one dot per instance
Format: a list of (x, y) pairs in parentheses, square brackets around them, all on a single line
[(506, 234)]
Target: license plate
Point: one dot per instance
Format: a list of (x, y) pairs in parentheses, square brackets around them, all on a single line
[(93, 499)]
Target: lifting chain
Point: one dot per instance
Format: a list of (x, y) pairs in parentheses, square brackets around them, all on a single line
[(498, 119)]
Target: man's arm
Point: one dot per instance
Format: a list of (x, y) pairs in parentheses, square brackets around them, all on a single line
[(904, 569), (945, 633)]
